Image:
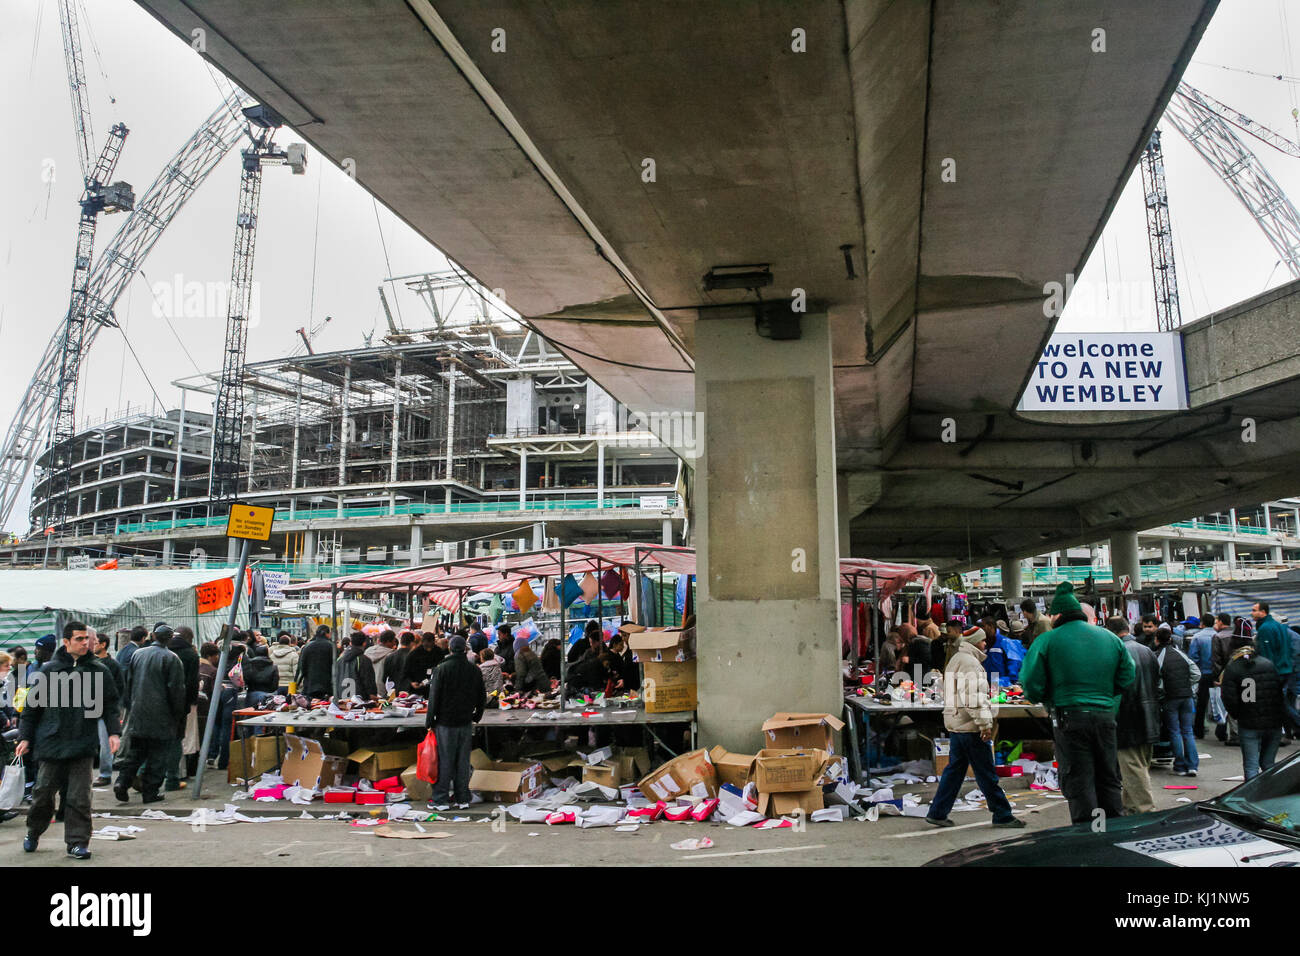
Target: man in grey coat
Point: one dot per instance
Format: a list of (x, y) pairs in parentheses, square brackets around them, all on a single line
[(1137, 724)]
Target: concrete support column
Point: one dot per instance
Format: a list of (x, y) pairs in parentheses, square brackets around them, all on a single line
[(1013, 585), (523, 479), (1232, 514), (345, 427), (842, 516), (539, 538), (1297, 522), (180, 442), (417, 544), (600, 474), (308, 555), (1166, 552), (1230, 554), (451, 421), (1124, 558), (1275, 554), (297, 428), (232, 551), (1268, 519), (667, 532), (167, 551), (765, 487)]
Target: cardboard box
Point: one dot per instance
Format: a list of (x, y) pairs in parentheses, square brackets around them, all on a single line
[(659, 644), (262, 754), (669, 686), (375, 763), (691, 773), (557, 763), (784, 804), (506, 782), (788, 771), (790, 731), (606, 774), (735, 769), (308, 765), (633, 762), (416, 788)]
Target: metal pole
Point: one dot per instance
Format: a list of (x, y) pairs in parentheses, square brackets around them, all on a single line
[(853, 609), (564, 635), (214, 705), (875, 628), (334, 611)]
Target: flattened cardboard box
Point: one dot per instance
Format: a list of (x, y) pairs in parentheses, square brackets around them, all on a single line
[(735, 769), (788, 771), (606, 774), (783, 804), (307, 765), (505, 781), (691, 773), (263, 754), (387, 760), (669, 686), (789, 731)]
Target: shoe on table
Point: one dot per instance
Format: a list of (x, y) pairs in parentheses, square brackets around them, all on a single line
[(439, 807), (936, 822), (79, 852), (1015, 823), (30, 842)]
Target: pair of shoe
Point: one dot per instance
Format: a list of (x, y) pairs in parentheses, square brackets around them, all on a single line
[(123, 795), (79, 852), (176, 785), (1015, 823), (30, 842), (7, 815), (156, 798), (1184, 773), (936, 822), (462, 806), (438, 807), (103, 782)]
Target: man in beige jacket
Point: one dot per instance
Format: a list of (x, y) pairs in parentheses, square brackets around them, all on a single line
[(968, 717)]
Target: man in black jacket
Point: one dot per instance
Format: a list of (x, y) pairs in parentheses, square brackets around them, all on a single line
[(1137, 724), (354, 673), (61, 722), (1252, 694), (156, 695), (456, 700), (182, 645), (395, 663), (316, 666), (261, 676), (420, 662)]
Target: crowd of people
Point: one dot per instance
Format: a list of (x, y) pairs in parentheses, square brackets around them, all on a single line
[(1114, 697)]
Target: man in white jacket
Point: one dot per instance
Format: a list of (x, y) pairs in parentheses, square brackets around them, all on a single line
[(968, 717)]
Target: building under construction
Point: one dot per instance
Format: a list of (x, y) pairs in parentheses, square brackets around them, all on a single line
[(463, 437)]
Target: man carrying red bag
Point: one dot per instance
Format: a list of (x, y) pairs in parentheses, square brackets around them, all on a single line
[(456, 701)]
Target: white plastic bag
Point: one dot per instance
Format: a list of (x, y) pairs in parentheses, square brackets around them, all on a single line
[(12, 785)]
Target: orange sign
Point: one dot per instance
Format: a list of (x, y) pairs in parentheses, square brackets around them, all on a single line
[(214, 595)]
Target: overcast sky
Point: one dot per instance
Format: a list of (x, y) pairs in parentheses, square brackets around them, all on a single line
[(319, 251)]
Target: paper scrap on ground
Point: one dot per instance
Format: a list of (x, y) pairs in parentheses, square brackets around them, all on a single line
[(628, 828), (116, 833), (387, 831), (700, 843), (1233, 779)]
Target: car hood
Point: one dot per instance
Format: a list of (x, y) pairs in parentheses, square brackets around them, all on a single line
[(1185, 836)]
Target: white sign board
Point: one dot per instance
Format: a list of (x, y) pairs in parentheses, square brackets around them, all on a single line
[(1108, 371), (654, 502), (274, 582), (79, 562)]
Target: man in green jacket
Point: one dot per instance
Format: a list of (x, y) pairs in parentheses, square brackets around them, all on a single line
[(1273, 640), (1078, 671)]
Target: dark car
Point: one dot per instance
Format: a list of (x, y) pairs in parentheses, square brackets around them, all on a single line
[(1254, 824)]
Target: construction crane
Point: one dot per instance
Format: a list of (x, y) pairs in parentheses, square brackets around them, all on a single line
[(183, 173), (308, 334), (99, 195), (228, 414), (1160, 236)]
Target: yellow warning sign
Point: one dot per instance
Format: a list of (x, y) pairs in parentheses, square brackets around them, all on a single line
[(249, 522)]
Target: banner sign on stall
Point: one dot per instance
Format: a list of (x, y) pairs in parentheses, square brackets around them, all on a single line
[(654, 502), (214, 595), (250, 522), (79, 562), (1108, 371), (274, 583)]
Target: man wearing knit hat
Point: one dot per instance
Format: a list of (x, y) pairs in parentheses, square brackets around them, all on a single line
[(1079, 670), (969, 721), (457, 697)]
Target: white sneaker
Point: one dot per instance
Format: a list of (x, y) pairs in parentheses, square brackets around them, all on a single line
[(462, 806), (439, 807)]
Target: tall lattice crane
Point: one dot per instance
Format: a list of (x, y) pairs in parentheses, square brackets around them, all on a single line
[(182, 174), (1208, 126), (99, 195), (228, 415)]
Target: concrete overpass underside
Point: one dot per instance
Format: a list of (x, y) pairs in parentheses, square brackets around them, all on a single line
[(519, 137)]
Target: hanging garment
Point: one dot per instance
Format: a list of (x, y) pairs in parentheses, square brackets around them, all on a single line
[(632, 595), (689, 610), (624, 584), (568, 590), (495, 609), (550, 599), (589, 587), (611, 583), (680, 602), (649, 604)]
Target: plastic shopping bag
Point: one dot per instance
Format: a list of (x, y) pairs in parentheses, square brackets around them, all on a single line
[(12, 785), (426, 758)]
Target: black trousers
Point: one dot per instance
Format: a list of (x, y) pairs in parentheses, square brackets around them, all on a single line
[(1202, 707), (72, 778), (1089, 765), (148, 757)]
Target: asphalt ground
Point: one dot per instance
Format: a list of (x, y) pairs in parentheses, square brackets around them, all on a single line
[(891, 841)]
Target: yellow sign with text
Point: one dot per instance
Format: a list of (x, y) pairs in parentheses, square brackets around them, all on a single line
[(249, 522)]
